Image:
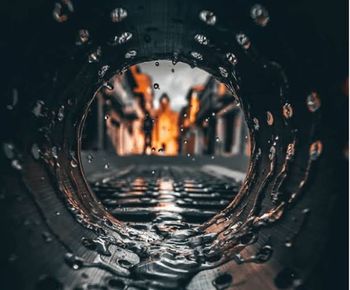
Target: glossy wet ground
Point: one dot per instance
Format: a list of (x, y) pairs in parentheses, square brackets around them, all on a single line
[(164, 198)]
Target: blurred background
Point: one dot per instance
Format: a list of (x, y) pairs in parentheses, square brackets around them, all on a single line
[(158, 108)]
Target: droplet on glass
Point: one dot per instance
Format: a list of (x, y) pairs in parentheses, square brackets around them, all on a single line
[(108, 86), (223, 281), (47, 237), (156, 63), (223, 72), (14, 99), (243, 40), (256, 124), (73, 163), (196, 55), (107, 166), (90, 158), (38, 107), (62, 10), (316, 150), (217, 139), (208, 17), (83, 36), (260, 15), (287, 111), (232, 59), (130, 54), (60, 114), (269, 118), (290, 151), (9, 150), (36, 151), (156, 86), (124, 37), (118, 15), (54, 152), (16, 164), (95, 55), (102, 71), (313, 102), (272, 153), (201, 39)]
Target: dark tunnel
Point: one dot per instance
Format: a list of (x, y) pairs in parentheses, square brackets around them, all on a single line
[(252, 190)]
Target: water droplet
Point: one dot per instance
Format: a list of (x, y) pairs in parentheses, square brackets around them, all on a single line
[(83, 36), (47, 237), (260, 15), (73, 261), (118, 15), (60, 114), (16, 164), (95, 55), (243, 40), (38, 107), (231, 58), (153, 172), (217, 139), (156, 86), (287, 111), (313, 102), (106, 116), (272, 153), (130, 54), (102, 71), (201, 39), (9, 150), (290, 151), (107, 166), (108, 86), (14, 99), (316, 150), (269, 118), (62, 10), (223, 281), (124, 37), (208, 17), (124, 263), (90, 157), (196, 55), (73, 163), (288, 244), (256, 124), (156, 63), (36, 151), (223, 72), (264, 254), (54, 152)]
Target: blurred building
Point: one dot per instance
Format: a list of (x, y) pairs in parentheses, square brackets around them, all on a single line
[(212, 122), (166, 129)]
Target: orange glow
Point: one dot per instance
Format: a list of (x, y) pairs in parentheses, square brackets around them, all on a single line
[(144, 86), (194, 105), (165, 131)]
